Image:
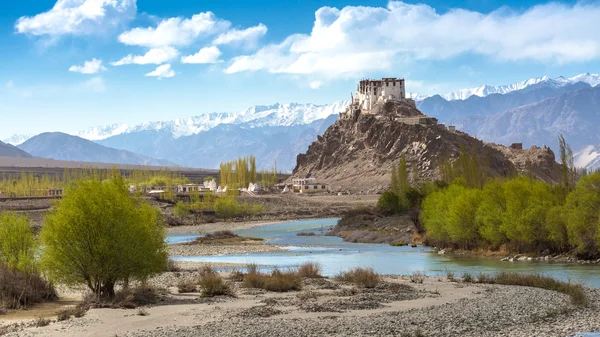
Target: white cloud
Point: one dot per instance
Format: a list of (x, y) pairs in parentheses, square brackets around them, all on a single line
[(248, 36), (95, 84), (78, 17), (175, 31), (162, 71), (153, 56), (355, 40), (10, 84), (205, 55), (315, 84), (89, 67)]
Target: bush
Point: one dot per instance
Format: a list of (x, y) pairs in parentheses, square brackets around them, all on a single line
[(467, 278), (172, 266), (41, 322), (186, 286), (18, 290), (306, 234), (450, 275), (398, 243), (180, 209), (277, 281), (213, 285), (388, 202), (17, 243), (142, 312), (97, 226), (362, 277), (226, 234), (64, 314), (258, 209), (236, 276), (226, 207), (310, 270)]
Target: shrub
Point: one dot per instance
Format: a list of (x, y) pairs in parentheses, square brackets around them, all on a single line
[(467, 278), (388, 202), (284, 281), (363, 277), (18, 289), (306, 234), (64, 314), (226, 234), (186, 286), (417, 277), (226, 207), (92, 230), (450, 275), (258, 209), (310, 270), (172, 266), (142, 312), (213, 285), (398, 243), (17, 243), (40, 322), (307, 295), (236, 276), (180, 209), (131, 298)]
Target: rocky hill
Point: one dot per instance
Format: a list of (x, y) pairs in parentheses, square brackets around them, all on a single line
[(357, 154)]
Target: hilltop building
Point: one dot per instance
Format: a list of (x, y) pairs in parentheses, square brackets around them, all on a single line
[(370, 92)]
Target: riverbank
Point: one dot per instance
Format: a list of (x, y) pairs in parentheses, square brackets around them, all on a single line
[(371, 227), (326, 307)]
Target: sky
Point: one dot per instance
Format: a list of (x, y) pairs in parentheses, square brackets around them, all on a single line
[(68, 65)]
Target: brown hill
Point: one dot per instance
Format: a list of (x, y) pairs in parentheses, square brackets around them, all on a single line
[(356, 154)]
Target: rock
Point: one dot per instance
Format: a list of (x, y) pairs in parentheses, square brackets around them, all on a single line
[(442, 252), (546, 252), (504, 259)]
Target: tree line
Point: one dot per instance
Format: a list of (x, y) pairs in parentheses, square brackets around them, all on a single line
[(468, 208), (241, 172)]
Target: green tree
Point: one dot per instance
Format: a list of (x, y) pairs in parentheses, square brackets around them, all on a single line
[(227, 207), (99, 235), (461, 225), (566, 162), (17, 243), (583, 222), (388, 202), (490, 213)]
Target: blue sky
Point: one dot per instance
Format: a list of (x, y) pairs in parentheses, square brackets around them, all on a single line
[(72, 64)]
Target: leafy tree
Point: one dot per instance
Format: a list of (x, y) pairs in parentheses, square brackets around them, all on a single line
[(394, 186), (490, 213), (99, 235), (461, 226), (17, 243), (566, 162), (403, 183), (584, 216), (388, 202)]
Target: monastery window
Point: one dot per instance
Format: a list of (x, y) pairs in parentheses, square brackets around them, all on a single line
[(387, 84), (394, 83)]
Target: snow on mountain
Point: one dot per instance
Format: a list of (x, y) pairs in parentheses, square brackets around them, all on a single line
[(17, 139), (485, 90), (588, 157), (256, 116)]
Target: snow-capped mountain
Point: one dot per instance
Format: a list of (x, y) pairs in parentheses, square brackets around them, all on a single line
[(256, 116), (485, 90), (17, 139), (588, 157)]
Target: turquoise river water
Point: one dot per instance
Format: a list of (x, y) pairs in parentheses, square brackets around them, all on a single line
[(336, 255)]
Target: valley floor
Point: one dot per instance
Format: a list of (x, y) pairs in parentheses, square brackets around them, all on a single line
[(437, 307)]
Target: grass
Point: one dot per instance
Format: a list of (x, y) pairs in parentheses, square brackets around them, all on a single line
[(450, 275), (310, 270), (417, 277), (467, 278), (362, 277), (236, 275), (213, 285), (575, 291), (277, 281)]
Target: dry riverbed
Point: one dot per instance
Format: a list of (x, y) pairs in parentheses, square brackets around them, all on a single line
[(324, 307)]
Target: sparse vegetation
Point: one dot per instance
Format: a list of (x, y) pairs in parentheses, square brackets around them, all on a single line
[(362, 277), (20, 290), (211, 284), (186, 286), (142, 312), (41, 322), (398, 243), (467, 278), (417, 277), (450, 275), (310, 270), (278, 281), (306, 234), (575, 291)]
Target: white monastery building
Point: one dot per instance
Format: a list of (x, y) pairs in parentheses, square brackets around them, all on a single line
[(370, 92)]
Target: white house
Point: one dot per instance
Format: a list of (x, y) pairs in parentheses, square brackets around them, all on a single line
[(308, 185)]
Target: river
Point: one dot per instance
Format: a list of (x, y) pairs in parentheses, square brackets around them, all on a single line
[(336, 255)]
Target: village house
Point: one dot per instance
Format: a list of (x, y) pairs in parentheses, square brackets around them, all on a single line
[(55, 192), (308, 185)]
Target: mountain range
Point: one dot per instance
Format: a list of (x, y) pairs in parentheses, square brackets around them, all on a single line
[(8, 150), (533, 111), (60, 146)]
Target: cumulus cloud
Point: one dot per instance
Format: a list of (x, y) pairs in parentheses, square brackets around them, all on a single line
[(248, 36), (205, 55), (89, 67), (162, 71), (78, 17), (153, 56), (95, 84), (355, 40), (175, 31)]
